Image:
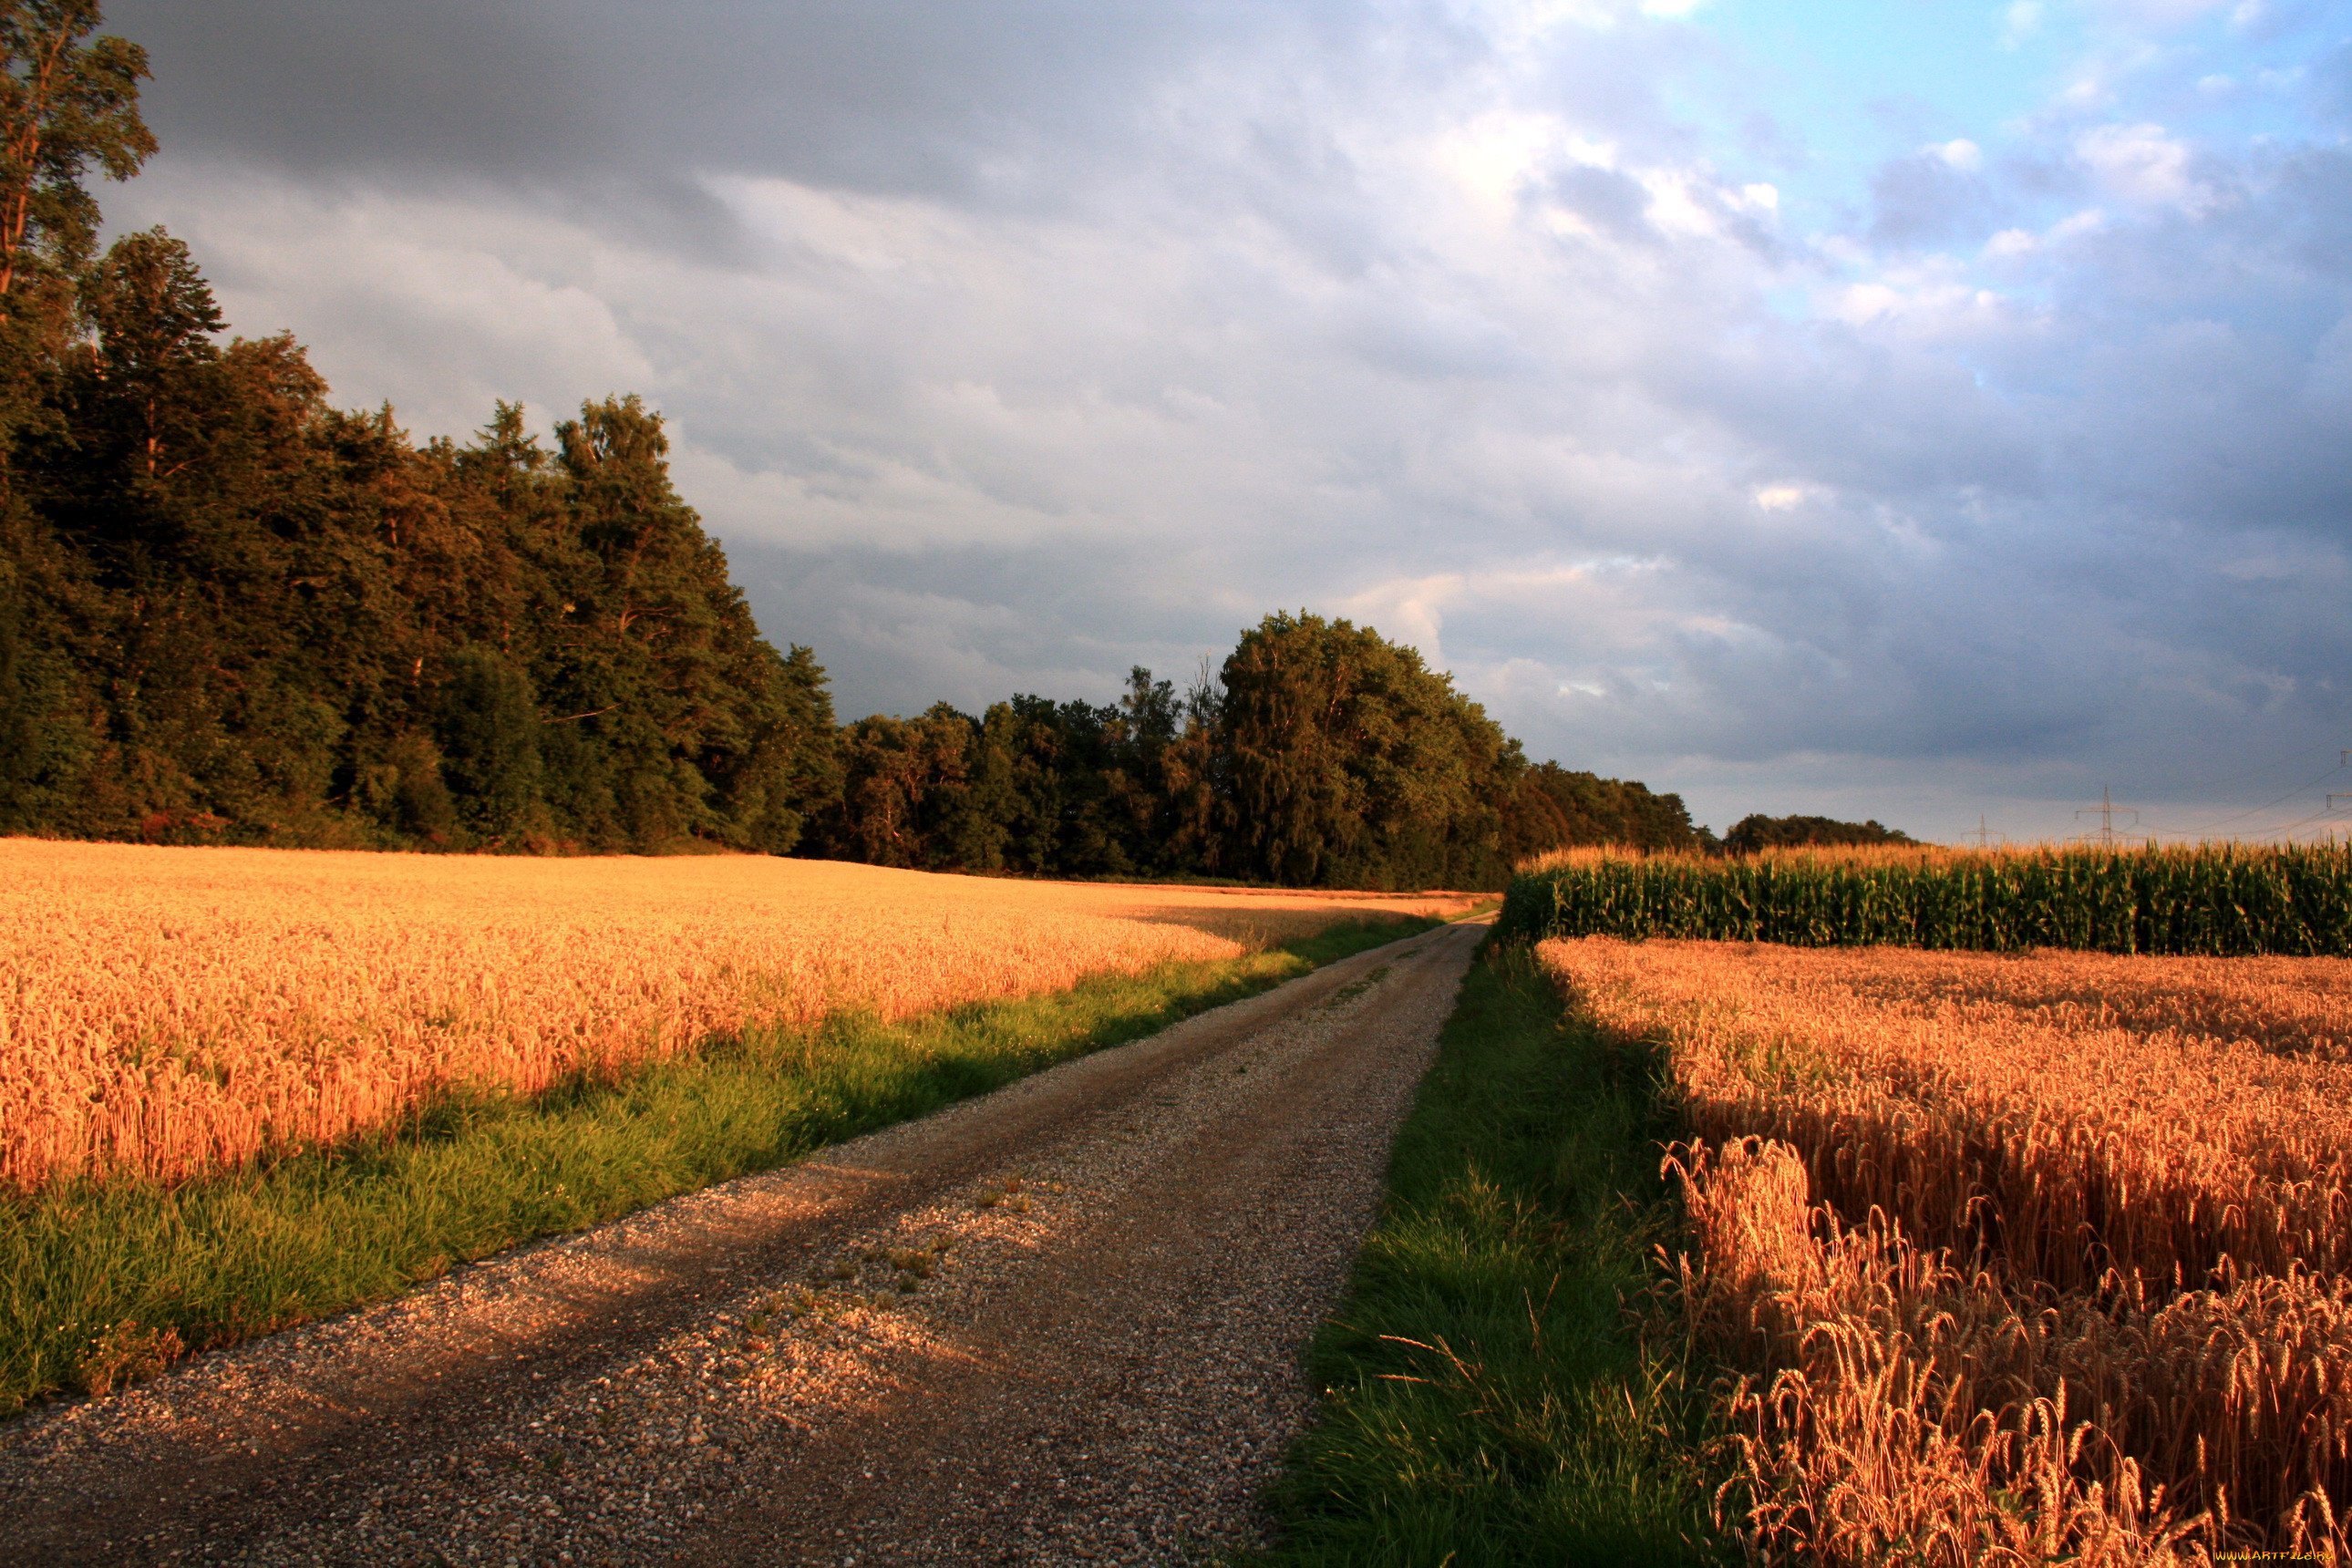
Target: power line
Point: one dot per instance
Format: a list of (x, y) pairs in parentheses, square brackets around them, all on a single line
[(2305, 822), (2271, 804), (2328, 812)]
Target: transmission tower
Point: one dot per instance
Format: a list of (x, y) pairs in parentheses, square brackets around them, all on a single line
[(2106, 812)]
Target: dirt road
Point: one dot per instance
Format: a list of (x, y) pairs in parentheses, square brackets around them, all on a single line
[(1060, 1323)]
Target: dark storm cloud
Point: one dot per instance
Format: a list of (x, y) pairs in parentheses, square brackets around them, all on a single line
[(877, 94)]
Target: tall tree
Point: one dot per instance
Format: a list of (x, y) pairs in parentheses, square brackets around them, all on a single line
[(1352, 761), (67, 102), (154, 316)]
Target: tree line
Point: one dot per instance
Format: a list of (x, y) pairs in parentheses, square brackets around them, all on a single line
[(1319, 753), (1755, 833), (232, 612)]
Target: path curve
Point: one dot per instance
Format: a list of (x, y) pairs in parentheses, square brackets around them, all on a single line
[(1062, 1323)]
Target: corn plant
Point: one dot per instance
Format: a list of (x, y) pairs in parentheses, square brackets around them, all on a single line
[(2219, 899)]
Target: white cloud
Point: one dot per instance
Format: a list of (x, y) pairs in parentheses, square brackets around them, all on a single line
[(2012, 243), (1927, 303), (2143, 164), (1493, 157), (1782, 497), (1518, 25), (2084, 93)]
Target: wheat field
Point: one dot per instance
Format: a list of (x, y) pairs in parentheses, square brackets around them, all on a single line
[(166, 1012), (2029, 1258)]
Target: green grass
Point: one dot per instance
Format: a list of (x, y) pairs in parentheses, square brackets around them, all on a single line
[(1487, 1395), (2217, 900), (99, 1281)]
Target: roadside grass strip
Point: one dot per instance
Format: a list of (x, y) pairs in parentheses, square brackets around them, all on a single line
[(1487, 1394), (103, 1282)]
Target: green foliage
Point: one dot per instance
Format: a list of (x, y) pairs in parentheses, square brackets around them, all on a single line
[(1755, 833), (1032, 786), (40, 758), (2221, 899), (1487, 1396), (1556, 807), (1351, 763), (489, 726), (67, 101), (216, 1261), (234, 612)]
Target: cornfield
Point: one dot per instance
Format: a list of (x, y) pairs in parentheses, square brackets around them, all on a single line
[(2027, 1259), (166, 1012), (2216, 900)]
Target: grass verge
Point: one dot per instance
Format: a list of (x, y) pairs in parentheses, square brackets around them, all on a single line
[(1487, 1398), (102, 1283)]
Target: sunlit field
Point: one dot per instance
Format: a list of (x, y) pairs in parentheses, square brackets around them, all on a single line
[(173, 1011), (2027, 1259)]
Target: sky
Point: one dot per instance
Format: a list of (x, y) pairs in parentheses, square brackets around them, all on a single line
[(1935, 412)]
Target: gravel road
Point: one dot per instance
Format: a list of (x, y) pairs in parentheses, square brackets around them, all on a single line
[(1060, 1323)]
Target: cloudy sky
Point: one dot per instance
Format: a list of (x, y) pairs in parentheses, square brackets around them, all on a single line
[(1925, 411)]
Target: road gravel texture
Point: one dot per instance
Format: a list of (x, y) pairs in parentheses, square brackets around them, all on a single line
[(1060, 1323)]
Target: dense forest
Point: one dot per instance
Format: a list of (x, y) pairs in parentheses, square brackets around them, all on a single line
[(1754, 833), (231, 612)]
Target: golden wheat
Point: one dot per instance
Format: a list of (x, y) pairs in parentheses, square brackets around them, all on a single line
[(2034, 1258), (166, 1012), (1888, 1421), (2096, 1111), (1908, 1408)]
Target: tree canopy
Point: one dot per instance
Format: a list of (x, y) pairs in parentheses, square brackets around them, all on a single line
[(1756, 832)]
